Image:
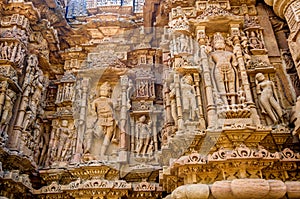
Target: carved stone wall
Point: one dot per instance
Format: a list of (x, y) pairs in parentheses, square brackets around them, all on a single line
[(95, 103)]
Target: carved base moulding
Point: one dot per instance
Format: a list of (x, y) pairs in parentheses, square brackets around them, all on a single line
[(149, 99)]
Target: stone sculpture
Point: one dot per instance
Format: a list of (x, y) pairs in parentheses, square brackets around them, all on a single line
[(176, 113), (254, 41), (268, 100), (37, 88), (144, 134), (65, 136), (173, 104), (7, 109), (188, 98), (105, 121), (53, 145), (37, 139), (44, 145), (88, 136), (224, 70)]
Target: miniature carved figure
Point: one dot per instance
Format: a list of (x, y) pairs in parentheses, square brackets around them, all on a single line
[(254, 41), (172, 48), (37, 139), (14, 51), (7, 108), (70, 92), (3, 88), (1, 48), (25, 120), (144, 133), (224, 71), (88, 136), (20, 55), (59, 94), (142, 89), (36, 91), (173, 104), (65, 140), (268, 100), (188, 98), (32, 60), (9, 50), (202, 38), (5, 51), (241, 96), (129, 92), (53, 144), (183, 43), (105, 121), (44, 145)]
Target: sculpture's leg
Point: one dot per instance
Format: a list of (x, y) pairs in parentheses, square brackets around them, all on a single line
[(146, 145), (267, 106), (140, 146), (65, 149), (276, 106), (106, 139)]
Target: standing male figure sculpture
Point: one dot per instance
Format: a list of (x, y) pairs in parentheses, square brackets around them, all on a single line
[(105, 121), (224, 71)]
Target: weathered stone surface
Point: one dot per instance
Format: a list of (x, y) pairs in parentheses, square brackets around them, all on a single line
[(222, 190), (250, 188), (141, 99), (191, 191), (293, 189), (277, 189)]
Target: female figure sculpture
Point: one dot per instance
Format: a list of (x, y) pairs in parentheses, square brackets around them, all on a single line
[(268, 99), (143, 130)]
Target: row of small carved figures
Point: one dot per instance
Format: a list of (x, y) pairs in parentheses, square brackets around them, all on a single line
[(13, 52)]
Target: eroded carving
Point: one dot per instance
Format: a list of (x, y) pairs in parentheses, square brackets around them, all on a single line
[(105, 124), (268, 100), (224, 70)]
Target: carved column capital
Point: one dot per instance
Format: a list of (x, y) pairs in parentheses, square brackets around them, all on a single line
[(280, 6)]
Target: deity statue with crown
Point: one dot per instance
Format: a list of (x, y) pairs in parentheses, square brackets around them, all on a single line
[(105, 123), (224, 70)]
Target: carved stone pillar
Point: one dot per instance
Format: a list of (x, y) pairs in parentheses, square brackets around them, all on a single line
[(29, 103), (289, 10), (292, 16), (168, 115), (154, 123), (211, 110), (3, 88), (241, 65), (200, 105), (82, 118), (133, 135), (123, 118), (178, 102)]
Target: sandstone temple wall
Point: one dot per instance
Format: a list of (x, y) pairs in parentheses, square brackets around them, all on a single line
[(177, 99)]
